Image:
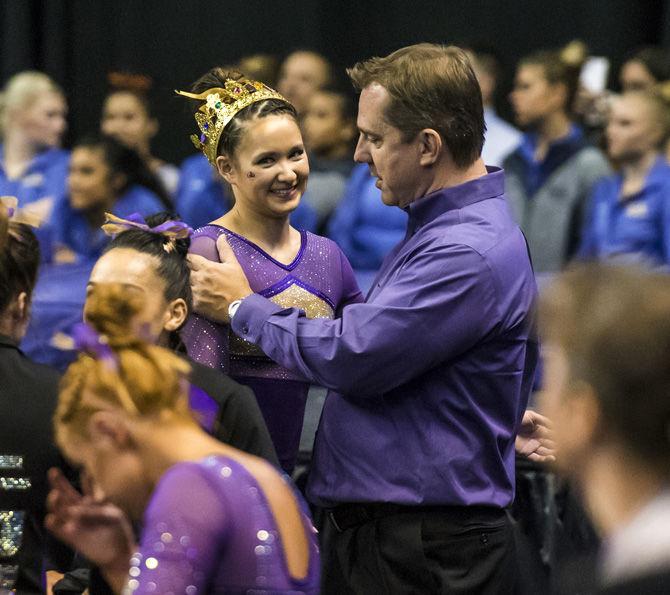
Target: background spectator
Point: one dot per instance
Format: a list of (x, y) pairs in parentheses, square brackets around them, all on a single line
[(105, 176), (607, 344), (551, 175), (33, 167), (501, 137), (329, 129), (629, 212), (302, 73), (128, 117)]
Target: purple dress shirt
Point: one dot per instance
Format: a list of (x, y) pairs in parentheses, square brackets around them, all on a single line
[(430, 376)]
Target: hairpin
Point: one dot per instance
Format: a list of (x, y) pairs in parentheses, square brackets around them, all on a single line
[(33, 214)]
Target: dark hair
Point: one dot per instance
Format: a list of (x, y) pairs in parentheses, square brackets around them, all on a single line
[(430, 86), (19, 259), (614, 325), (345, 99), (234, 130), (560, 67), (655, 59), (172, 267), (137, 85), (127, 162)]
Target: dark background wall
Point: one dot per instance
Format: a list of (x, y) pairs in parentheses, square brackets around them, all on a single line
[(174, 41)]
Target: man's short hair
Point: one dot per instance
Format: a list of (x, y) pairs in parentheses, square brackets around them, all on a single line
[(613, 324), (430, 86)]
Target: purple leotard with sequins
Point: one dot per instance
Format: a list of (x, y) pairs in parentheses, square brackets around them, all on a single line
[(210, 529), (319, 281)]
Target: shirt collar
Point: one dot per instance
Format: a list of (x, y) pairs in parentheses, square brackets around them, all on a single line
[(658, 174), (44, 157), (429, 207), (571, 142), (6, 341), (642, 545)]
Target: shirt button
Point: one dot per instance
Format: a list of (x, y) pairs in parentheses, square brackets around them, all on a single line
[(245, 329)]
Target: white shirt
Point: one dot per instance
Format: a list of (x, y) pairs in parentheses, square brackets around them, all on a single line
[(642, 546), (501, 138)]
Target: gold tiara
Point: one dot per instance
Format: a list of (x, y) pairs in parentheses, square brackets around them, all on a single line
[(220, 107)]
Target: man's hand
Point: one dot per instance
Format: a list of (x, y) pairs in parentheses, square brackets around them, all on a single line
[(216, 284), (534, 438)]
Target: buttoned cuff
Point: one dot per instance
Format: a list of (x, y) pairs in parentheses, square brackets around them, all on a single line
[(252, 315)]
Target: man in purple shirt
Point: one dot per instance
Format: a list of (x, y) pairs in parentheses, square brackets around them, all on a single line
[(429, 378)]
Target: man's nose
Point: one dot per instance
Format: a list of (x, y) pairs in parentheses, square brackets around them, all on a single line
[(362, 154)]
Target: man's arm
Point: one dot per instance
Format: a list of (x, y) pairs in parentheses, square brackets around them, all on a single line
[(440, 304)]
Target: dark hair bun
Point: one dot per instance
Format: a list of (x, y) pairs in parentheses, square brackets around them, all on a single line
[(181, 245)]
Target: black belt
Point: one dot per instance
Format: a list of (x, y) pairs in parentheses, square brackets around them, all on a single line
[(346, 516)]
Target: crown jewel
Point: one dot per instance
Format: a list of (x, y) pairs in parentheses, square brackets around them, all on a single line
[(220, 106)]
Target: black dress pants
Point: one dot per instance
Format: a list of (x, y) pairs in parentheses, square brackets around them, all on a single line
[(455, 550)]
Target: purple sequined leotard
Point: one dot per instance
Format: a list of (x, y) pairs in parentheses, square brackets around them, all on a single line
[(209, 529), (319, 281)]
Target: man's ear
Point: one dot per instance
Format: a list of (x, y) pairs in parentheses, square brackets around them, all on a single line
[(225, 167), (22, 306), (430, 146), (176, 314)]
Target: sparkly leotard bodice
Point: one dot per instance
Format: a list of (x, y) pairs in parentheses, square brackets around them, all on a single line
[(319, 281), (210, 529)]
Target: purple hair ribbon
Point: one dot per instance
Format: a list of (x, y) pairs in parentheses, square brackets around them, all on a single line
[(11, 204), (85, 338), (34, 214), (172, 230)]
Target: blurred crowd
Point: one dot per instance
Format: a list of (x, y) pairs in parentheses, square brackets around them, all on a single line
[(586, 168)]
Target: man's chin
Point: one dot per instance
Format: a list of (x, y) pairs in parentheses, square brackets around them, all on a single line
[(389, 200)]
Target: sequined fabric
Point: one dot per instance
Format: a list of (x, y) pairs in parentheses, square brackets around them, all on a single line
[(234, 548), (319, 281), (313, 282), (11, 521)]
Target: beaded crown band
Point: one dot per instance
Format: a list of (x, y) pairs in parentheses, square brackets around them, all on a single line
[(220, 107)]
